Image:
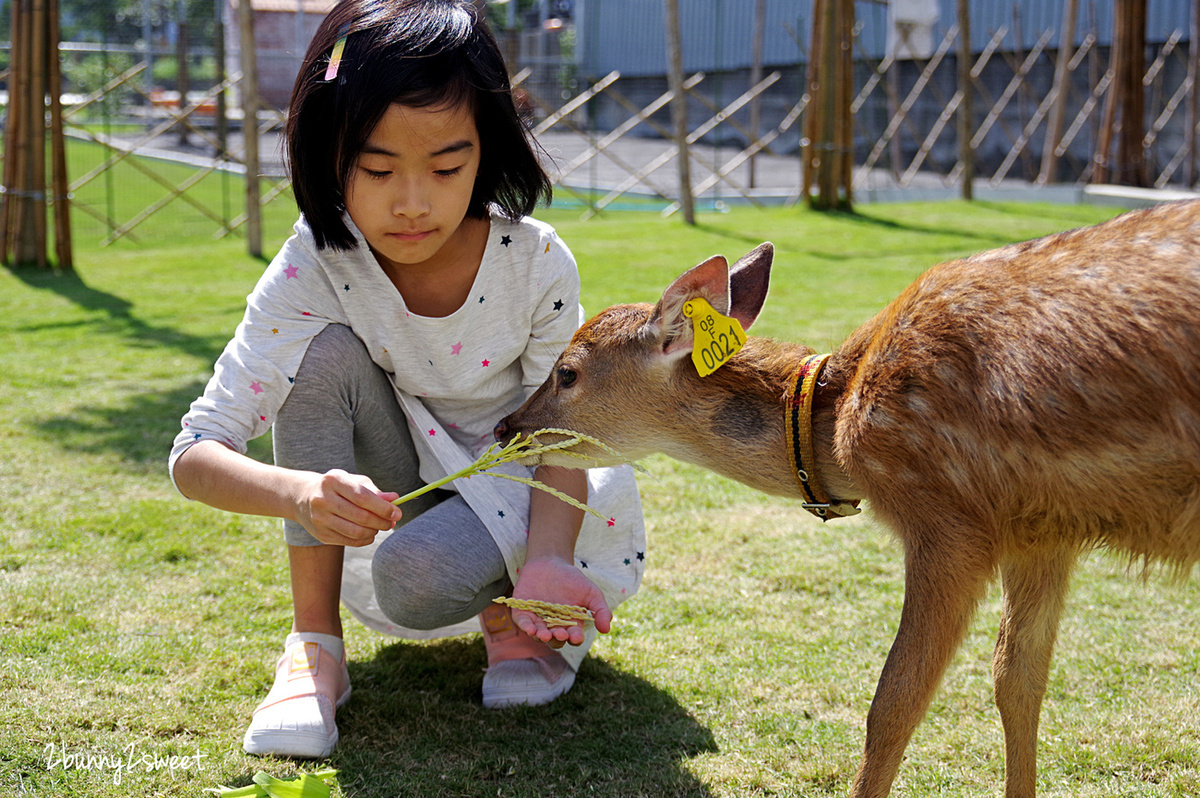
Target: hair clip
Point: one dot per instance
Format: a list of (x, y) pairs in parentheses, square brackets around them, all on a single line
[(335, 59)]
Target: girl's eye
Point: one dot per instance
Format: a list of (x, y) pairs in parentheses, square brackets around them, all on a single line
[(374, 174), (448, 172)]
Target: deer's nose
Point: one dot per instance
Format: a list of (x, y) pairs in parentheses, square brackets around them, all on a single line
[(501, 430)]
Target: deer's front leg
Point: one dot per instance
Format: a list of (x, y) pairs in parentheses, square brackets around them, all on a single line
[(944, 580)]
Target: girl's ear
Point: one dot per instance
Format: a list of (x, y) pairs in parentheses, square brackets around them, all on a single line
[(748, 282), (709, 280)]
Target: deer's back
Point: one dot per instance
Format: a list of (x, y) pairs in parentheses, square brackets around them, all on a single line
[(1043, 391)]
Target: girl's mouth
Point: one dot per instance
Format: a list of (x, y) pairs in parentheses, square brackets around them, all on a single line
[(409, 237)]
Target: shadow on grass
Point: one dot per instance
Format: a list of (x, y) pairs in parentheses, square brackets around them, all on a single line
[(139, 430), (868, 219), (415, 727), (119, 312)]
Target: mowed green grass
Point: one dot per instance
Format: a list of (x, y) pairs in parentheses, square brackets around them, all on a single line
[(138, 630)]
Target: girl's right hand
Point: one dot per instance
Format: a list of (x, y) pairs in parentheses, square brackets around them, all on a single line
[(343, 509)]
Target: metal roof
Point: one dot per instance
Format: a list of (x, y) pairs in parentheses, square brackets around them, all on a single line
[(629, 35)]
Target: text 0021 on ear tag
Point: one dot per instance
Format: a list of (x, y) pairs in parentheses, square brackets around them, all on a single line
[(716, 337)]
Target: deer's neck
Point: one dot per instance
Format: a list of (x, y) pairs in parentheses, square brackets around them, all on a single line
[(741, 408)]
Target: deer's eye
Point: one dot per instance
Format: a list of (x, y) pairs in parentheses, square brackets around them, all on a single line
[(565, 377)]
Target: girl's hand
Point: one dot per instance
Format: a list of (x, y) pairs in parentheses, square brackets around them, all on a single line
[(343, 509), (560, 582)]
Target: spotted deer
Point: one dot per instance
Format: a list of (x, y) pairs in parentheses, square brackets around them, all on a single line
[(1006, 413)]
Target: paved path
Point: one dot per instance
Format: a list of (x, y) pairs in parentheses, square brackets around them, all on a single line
[(777, 178)]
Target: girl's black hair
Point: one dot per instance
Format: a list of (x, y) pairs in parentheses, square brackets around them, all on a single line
[(420, 53)]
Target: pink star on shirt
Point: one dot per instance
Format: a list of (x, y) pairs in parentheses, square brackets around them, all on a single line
[(485, 364), (292, 272), (456, 349), (256, 386), (612, 522), (432, 433)]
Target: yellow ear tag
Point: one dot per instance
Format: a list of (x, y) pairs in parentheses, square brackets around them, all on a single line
[(717, 337)]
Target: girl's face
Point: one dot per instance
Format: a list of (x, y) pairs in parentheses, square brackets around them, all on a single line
[(410, 188)]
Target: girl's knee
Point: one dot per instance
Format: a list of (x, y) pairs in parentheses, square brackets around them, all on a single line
[(422, 584), (406, 586)]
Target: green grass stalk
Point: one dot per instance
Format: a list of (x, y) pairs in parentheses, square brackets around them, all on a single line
[(520, 448)]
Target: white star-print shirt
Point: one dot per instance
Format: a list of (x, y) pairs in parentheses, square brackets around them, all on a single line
[(454, 376)]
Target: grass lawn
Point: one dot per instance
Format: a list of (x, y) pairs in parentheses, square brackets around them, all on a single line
[(138, 630)]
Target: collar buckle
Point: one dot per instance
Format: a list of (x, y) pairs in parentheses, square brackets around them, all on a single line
[(832, 509)]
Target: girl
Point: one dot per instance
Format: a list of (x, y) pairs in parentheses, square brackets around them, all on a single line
[(414, 306)]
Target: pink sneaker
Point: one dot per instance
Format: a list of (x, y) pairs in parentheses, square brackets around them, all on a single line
[(522, 670), (296, 718)]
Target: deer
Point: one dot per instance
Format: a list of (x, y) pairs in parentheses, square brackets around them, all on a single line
[(1005, 414)]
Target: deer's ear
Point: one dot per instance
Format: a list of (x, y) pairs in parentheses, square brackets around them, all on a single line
[(709, 280), (748, 282)]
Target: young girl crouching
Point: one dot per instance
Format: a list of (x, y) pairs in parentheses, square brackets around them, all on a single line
[(415, 305)]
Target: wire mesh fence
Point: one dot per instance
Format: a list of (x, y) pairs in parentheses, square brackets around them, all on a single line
[(156, 136)]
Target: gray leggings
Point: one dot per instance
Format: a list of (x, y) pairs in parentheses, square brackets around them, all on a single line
[(440, 566)]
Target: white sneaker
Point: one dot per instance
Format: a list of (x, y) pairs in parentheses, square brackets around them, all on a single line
[(297, 717), (526, 682), (522, 670)]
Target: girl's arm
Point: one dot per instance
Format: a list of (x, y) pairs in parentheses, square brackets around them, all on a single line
[(549, 573), (337, 508)]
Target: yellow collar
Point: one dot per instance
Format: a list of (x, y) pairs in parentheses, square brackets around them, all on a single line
[(798, 405)]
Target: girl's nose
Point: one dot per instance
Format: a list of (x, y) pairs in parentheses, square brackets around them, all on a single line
[(410, 200)]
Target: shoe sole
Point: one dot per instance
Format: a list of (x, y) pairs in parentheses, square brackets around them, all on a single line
[(504, 699)]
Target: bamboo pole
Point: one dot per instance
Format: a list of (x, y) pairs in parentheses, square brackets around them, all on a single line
[(1119, 157), (1132, 135), (966, 152), (813, 122), (58, 152), (23, 229), (37, 134), (183, 82), (34, 74), (679, 113), (829, 129), (756, 68), (1193, 110), (8, 199), (222, 121), (844, 138), (1062, 83), (827, 102), (250, 127)]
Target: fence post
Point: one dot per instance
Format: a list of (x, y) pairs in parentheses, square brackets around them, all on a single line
[(966, 152), (828, 159), (1123, 161), (183, 81), (250, 127), (1194, 95), (756, 68), (679, 111), (1062, 82), (59, 180), (13, 126), (26, 197)]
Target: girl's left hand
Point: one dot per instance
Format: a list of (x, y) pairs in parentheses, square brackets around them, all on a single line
[(559, 582)]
